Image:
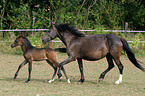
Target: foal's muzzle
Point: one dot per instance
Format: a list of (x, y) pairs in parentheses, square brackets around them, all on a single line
[(12, 45), (43, 41)]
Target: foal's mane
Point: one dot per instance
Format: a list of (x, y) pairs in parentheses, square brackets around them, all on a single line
[(26, 42), (71, 29)]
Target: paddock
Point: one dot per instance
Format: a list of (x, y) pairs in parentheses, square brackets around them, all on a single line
[(133, 79)]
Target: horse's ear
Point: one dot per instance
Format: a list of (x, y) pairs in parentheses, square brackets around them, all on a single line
[(51, 23), (54, 27)]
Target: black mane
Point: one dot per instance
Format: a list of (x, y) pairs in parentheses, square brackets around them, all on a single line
[(26, 42), (71, 29)]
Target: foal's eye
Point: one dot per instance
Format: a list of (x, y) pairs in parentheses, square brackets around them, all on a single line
[(16, 40)]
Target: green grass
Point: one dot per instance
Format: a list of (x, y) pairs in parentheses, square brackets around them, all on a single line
[(133, 79)]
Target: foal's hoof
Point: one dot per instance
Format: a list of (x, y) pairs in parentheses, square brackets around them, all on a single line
[(59, 75), (79, 82), (14, 78), (100, 79)]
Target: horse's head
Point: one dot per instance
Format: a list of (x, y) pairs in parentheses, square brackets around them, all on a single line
[(18, 41), (50, 35)]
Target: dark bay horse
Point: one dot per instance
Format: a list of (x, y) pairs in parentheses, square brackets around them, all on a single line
[(31, 53), (91, 47)]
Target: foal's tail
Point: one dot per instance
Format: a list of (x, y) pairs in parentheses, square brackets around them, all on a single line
[(131, 55)]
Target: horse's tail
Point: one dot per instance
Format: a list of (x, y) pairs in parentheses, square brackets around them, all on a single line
[(131, 55), (63, 50)]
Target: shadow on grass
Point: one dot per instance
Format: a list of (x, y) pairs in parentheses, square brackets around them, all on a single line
[(9, 79), (57, 81)]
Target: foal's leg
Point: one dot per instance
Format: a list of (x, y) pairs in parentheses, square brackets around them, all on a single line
[(20, 66), (68, 80), (81, 70), (29, 70), (55, 70), (110, 66)]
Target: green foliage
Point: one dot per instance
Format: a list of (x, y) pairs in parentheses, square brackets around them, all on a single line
[(84, 14), (35, 40)]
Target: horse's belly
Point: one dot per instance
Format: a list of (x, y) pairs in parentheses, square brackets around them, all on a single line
[(96, 55)]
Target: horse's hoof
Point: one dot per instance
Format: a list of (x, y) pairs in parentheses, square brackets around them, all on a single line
[(51, 80), (80, 81), (118, 82), (68, 80), (27, 81)]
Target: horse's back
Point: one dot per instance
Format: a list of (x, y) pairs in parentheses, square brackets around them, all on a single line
[(97, 46)]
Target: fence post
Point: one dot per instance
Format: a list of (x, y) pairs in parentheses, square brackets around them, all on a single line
[(126, 27)]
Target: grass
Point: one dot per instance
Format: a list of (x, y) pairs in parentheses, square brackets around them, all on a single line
[(133, 79)]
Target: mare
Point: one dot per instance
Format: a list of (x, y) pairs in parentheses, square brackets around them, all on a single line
[(91, 47), (31, 53)]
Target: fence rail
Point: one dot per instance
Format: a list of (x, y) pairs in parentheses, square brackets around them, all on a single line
[(15, 30), (125, 31)]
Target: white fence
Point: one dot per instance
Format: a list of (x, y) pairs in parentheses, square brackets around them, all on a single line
[(22, 30)]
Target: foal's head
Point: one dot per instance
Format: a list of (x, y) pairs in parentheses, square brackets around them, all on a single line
[(21, 40)]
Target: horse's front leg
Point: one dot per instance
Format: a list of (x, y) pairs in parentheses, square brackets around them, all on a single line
[(70, 59), (29, 70), (81, 70), (20, 66), (55, 69)]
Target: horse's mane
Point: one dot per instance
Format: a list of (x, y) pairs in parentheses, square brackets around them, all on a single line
[(71, 29)]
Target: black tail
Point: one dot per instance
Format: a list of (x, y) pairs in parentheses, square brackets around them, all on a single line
[(63, 50), (131, 55)]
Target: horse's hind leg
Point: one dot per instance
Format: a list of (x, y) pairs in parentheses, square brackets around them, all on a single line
[(120, 67), (110, 66), (20, 66), (55, 70)]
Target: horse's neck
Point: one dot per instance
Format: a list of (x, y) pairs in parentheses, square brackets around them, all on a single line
[(66, 38)]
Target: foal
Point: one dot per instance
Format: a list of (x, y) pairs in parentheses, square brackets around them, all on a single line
[(31, 53)]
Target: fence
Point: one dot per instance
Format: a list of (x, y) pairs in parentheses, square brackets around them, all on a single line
[(124, 31)]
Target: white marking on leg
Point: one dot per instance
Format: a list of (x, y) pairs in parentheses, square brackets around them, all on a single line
[(51, 80), (119, 80), (68, 80)]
